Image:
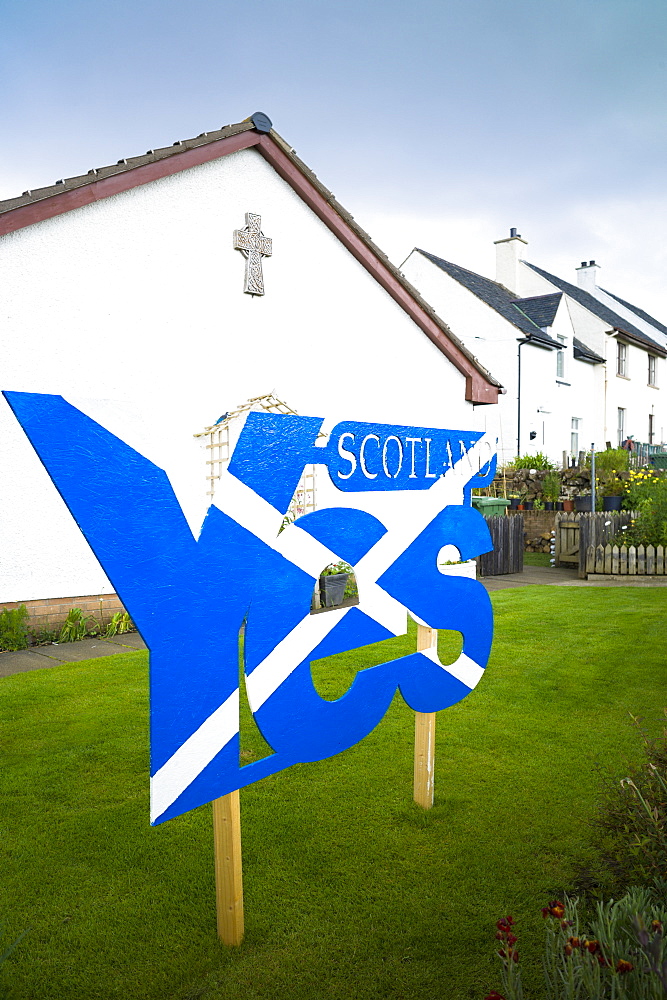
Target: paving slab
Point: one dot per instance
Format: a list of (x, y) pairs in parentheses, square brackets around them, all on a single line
[(67, 652)]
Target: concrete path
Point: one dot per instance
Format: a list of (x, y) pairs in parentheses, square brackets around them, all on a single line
[(87, 649), (561, 576), (67, 652)]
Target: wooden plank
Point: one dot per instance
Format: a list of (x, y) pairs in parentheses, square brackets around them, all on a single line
[(615, 560), (607, 559), (599, 559), (641, 560), (659, 561), (632, 560), (590, 560), (424, 769), (623, 569), (228, 869), (650, 560)]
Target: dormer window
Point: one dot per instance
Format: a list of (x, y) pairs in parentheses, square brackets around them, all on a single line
[(652, 370), (621, 359)]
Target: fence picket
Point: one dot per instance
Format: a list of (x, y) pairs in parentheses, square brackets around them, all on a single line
[(607, 558), (632, 560), (641, 560), (650, 560), (615, 560), (599, 559), (624, 560), (659, 560)]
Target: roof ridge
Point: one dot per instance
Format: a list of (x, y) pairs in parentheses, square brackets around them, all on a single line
[(598, 308)]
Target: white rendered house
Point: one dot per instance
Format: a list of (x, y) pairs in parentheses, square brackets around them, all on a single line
[(159, 292), (576, 371)]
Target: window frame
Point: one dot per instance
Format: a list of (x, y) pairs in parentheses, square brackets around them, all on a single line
[(622, 359)]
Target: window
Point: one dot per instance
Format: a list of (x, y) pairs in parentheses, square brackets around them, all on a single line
[(560, 359), (621, 426), (651, 370), (622, 359), (574, 436), (651, 428)]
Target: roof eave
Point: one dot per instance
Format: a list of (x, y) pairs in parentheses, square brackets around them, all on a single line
[(481, 386)]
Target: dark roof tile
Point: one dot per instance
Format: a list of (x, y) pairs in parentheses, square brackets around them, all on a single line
[(497, 297), (600, 310), (640, 312)]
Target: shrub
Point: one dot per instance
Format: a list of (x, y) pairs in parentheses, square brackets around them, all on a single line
[(537, 461), (631, 823), (611, 460), (646, 494), (14, 628)]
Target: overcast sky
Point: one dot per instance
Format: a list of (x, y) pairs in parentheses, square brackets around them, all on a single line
[(437, 123)]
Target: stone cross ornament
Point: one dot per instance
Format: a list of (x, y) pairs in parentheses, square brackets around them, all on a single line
[(253, 245), (402, 494)]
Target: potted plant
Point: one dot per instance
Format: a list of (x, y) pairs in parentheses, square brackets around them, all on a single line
[(583, 502), (567, 503), (551, 489), (514, 499), (333, 581), (612, 494)]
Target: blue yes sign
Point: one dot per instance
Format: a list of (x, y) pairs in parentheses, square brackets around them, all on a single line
[(406, 495)]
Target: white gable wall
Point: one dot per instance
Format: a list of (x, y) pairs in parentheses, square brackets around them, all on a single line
[(547, 406), (139, 297)]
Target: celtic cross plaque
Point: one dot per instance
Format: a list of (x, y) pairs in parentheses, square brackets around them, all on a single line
[(253, 245)]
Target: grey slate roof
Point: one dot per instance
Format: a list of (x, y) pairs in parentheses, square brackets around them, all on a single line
[(583, 353), (498, 298), (639, 312), (603, 312), (541, 309)]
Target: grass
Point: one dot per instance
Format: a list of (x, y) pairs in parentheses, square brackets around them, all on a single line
[(351, 891), (536, 559)]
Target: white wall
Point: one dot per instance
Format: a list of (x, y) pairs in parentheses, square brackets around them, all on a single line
[(547, 404), (139, 297)]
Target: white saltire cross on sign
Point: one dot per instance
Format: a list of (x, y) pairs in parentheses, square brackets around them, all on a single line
[(254, 245)]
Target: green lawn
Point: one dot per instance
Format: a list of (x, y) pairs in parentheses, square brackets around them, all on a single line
[(351, 891)]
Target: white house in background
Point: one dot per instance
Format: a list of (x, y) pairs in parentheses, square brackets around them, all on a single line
[(576, 370), (136, 283)]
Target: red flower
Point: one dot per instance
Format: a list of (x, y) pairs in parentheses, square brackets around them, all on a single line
[(554, 909), (593, 946), (623, 966), (656, 926)]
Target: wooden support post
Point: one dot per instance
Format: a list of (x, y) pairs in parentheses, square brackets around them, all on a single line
[(425, 735), (228, 870)]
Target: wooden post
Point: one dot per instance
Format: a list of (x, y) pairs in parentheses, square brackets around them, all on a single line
[(228, 870), (424, 734)]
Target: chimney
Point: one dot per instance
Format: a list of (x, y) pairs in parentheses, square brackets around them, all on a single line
[(587, 276), (508, 255)]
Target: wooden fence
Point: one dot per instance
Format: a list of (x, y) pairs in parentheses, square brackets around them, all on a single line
[(507, 554), (576, 533), (626, 560)]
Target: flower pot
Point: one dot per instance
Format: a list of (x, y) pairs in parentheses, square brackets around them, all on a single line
[(528, 504), (514, 503), (465, 569), (559, 505), (549, 505), (333, 589), (568, 504), (612, 503), (520, 506), (583, 503)]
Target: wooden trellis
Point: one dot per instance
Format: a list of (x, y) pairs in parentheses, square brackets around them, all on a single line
[(221, 435)]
